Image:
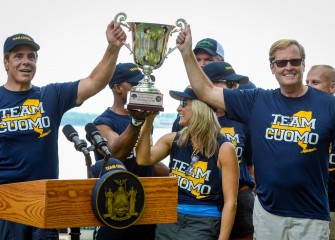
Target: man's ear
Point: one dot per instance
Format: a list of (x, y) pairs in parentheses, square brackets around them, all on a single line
[(5, 63), (117, 88), (332, 88), (272, 68)]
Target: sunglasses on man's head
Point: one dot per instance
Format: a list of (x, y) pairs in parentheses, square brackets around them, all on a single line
[(229, 83), (296, 62)]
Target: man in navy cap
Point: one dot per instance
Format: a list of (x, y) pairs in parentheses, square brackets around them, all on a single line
[(223, 75), (206, 51), (31, 115), (121, 128)]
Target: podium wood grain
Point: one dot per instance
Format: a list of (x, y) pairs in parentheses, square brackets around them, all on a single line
[(67, 203)]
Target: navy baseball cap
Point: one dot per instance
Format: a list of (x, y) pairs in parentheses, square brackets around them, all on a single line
[(211, 46), (126, 72), (19, 39), (113, 164), (216, 71), (188, 94)]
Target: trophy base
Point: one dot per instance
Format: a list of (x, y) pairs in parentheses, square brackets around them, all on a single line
[(145, 107), (145, 101)]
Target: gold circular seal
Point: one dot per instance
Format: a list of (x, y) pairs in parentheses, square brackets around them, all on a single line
[(118, 199)]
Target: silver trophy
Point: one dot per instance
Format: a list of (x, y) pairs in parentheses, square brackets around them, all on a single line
[(149, 50)]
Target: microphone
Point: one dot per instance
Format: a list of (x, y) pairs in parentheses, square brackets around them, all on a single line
[(72, 135), (93, 135)]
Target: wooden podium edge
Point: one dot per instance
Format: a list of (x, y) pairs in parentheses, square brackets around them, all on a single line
[(67, 203)]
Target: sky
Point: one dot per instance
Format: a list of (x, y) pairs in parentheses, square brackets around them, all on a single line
[(71, 34)]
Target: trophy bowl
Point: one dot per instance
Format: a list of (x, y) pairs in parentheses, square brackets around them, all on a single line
[(149, 49)]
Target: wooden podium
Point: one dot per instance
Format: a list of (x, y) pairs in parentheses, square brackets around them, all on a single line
[(67, 203)]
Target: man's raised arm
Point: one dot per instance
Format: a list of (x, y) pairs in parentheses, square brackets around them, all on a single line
[(202, 86)]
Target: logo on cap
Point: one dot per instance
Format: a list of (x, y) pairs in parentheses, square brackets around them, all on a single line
[(21, 37), (205, 43), (134, 69)]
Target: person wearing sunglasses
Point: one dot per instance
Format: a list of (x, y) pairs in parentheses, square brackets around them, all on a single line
[(291, 128), (223, 75), (206, 51), (322, 77), (206, 166)]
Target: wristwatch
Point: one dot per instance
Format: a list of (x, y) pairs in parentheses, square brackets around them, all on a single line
[(136, 123)]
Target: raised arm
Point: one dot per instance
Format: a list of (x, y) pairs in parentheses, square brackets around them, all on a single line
[(202, 86), (228, 164), (121, 146), (147, 155), (103, 72)]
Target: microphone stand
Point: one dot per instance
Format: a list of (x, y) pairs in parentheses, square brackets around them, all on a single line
[(75, 232)]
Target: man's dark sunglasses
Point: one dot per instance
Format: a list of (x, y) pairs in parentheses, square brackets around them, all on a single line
[(230, 84), (296, 62)]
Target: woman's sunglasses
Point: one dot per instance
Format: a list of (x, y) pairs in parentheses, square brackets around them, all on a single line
[(182, 103)]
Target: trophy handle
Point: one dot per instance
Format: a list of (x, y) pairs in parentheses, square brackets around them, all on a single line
[(181, 23), (121, 18)]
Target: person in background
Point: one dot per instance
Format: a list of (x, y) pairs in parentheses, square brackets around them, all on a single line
[(223, 75), (206, 165), (322, 77), (291, 128), (209, 50), (121, 128), (248, 85), (206, 51), (31, 115)]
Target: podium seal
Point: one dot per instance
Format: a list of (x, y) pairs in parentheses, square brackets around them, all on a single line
[(118, 199)]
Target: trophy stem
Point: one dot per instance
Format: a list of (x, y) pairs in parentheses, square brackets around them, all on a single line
[(146, 84)]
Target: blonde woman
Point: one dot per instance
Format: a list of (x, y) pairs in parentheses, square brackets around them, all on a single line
[(206, 165)]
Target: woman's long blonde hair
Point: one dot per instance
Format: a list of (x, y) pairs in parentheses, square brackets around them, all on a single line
[(203, 129)]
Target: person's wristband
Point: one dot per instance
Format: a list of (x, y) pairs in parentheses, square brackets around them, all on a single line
[(136, 123)]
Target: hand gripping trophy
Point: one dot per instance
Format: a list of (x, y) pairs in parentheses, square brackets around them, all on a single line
[(149, 51)]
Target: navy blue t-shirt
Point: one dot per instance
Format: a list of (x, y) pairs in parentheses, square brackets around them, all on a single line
[(119, 123), (204, 185), (29, 130), (290, 145), (238, 134), (331, 184)]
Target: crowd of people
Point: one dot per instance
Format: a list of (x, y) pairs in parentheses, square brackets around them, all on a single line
[(262, 162)]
